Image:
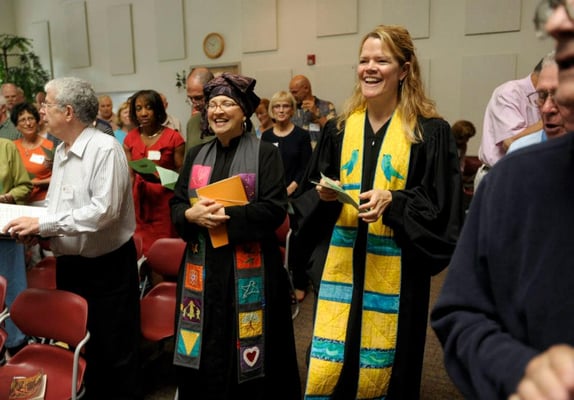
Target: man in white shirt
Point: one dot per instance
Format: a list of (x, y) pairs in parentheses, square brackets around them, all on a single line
[(91, 221)]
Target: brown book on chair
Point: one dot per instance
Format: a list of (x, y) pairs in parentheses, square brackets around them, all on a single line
[(28, 388), (229, 192)]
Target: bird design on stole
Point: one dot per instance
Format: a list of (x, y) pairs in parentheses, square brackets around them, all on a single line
[(388, 168), (349, 165)]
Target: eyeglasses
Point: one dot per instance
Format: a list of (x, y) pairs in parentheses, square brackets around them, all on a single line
[(48, 105), (224, 106), (545, 10), (539, 97), (27, 119), (191, 100)]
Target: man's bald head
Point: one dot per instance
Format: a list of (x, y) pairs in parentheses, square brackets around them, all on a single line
[(300, 88)]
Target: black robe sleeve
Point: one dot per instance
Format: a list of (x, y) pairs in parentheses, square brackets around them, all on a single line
[(254, 221), (426, 216)]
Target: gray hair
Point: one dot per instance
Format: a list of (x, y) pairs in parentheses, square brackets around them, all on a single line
[(77, 93), (549, 59)]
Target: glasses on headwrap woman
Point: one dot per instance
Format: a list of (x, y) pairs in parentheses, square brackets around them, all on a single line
[(224, 105)]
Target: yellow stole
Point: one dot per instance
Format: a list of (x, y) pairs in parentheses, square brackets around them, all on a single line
[(382, 274)]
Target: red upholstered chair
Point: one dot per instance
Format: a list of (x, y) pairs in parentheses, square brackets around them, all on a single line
[(3, 288), (158, 305), (43, 274), (61, 318), (3, 312), (283, 234)]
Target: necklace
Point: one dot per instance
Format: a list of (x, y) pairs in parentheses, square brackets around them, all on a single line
[(28, 148), (155, 134)]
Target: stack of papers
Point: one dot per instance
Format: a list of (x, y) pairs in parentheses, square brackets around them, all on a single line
[(8, 212), (342, 195)]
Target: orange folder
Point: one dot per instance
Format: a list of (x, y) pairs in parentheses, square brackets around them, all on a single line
[(229, 192)]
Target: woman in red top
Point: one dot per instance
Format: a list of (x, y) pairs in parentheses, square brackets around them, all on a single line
[(35, 151), (165, 147)]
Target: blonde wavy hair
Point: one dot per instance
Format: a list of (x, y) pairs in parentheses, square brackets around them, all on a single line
[(412, 100)]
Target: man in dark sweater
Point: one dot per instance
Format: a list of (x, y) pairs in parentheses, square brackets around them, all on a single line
[(504, 315)]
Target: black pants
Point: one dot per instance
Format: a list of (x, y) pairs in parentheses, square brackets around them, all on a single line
[(109, 283)]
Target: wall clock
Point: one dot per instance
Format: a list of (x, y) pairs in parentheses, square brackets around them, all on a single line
[(213, 45)]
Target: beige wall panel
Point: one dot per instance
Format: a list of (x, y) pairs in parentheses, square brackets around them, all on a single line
[(170, 33), (412, 14), (120, 39), (489, 16), (336, 17), (77, 41), (259, 25), (40, 35)]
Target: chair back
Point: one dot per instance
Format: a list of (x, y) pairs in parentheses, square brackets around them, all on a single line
[(283, 234), (138, 241), (3, 310), (164, 256), (3, 337), (3, 287), (282, 231), (43, 274), (52, 314)]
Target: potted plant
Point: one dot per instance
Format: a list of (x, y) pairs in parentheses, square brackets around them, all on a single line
[(20, 65)]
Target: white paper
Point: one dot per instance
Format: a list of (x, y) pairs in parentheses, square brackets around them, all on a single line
[(8, 212), (342, 196)]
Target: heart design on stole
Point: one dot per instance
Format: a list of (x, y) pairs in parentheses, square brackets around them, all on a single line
[(251, 355)]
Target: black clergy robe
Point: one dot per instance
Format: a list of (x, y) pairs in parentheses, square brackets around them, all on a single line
[(257, 221), (426, 218)]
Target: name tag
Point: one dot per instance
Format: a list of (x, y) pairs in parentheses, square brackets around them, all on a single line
[(67, 192), (154, 155), (314, 127), (37, 159)]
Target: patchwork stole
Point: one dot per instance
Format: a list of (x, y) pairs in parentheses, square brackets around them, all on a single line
[(382, 274), (248, 266)]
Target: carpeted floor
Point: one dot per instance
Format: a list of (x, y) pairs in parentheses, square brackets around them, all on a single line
[(435, 385)]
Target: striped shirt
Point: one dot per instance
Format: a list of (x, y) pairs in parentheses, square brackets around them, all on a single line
[(90, 204)]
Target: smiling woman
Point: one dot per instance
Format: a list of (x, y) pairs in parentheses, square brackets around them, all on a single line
[(164, 147), (396, 157), (36, 151), (255, 358)]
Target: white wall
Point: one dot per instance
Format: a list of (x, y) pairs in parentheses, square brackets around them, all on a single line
[(6, 19), (460, 70)]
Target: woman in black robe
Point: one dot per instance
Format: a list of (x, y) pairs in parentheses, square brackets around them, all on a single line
[(221, 353), (423, 213)]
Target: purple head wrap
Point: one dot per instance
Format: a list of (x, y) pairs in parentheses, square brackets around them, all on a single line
[(237, 87)]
